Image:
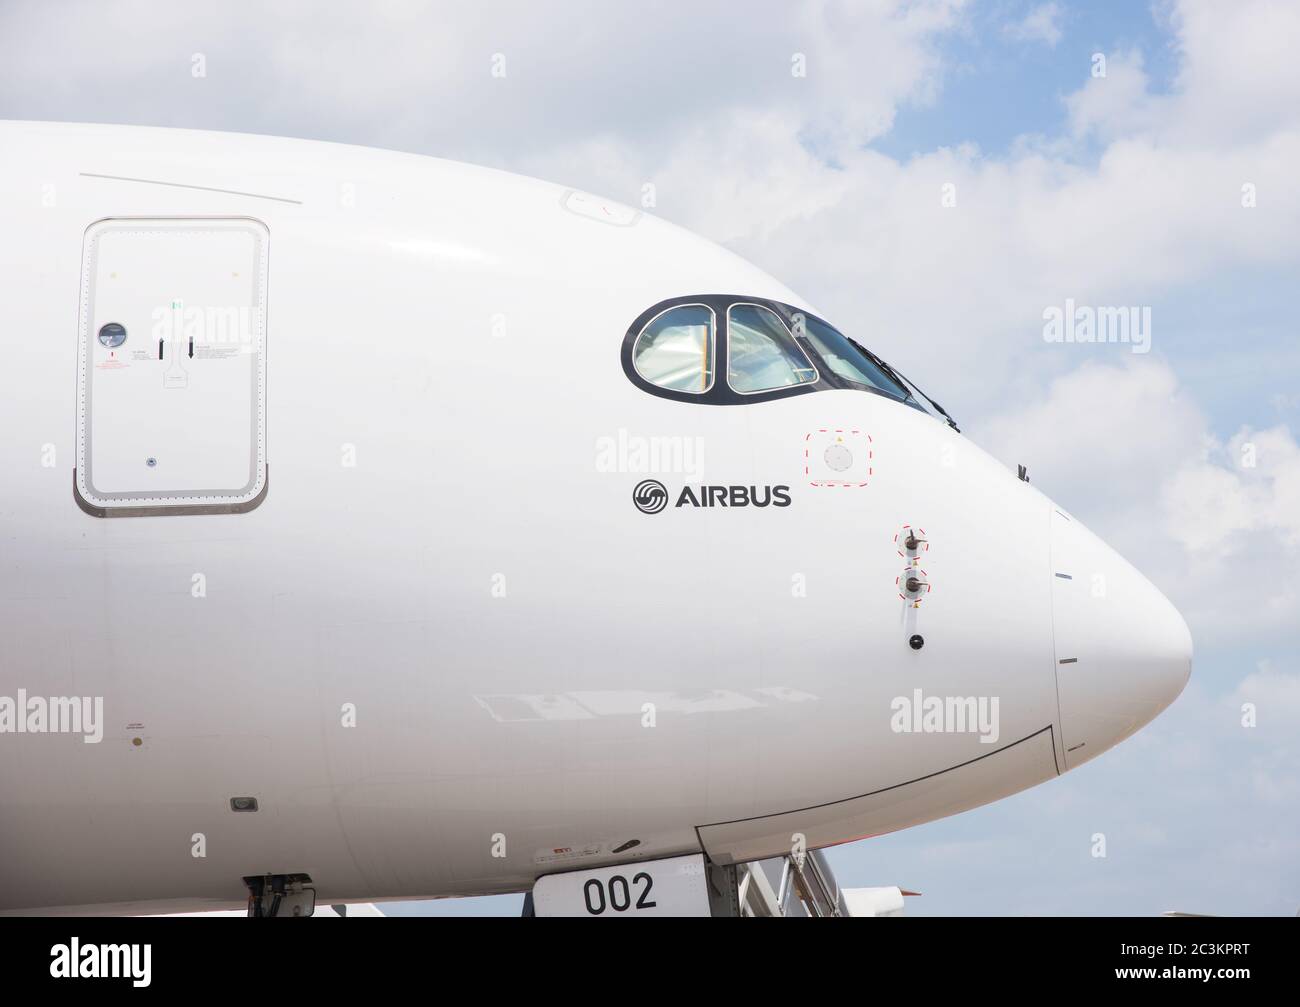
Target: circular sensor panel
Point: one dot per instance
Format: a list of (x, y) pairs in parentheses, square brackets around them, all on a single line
[(112, 335), (838, 458)]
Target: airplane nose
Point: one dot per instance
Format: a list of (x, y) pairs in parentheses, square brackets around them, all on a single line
[(1123, 651)]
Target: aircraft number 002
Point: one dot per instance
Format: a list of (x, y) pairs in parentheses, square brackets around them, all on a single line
[(616, 893), (674, 886)]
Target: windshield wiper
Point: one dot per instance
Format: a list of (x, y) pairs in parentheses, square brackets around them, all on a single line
[(912, 385), (905, 383)]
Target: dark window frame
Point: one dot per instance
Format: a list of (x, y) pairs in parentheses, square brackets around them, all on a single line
[(721, 393)]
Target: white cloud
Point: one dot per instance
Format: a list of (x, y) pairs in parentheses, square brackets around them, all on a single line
[(417, 75), (1042, 24), (1238, 76), (1216, 525), (1252, 488), (1100, 429), (1118, 104)]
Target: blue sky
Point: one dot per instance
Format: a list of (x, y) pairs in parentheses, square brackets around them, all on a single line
[(998, 86), (1122, 190)]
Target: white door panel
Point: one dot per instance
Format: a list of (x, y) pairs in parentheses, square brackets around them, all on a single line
[(171, 383)]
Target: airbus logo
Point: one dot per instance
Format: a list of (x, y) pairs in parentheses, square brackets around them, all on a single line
[(651, 496)]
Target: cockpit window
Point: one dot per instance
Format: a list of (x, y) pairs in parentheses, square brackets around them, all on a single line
[(675, 349), (844, 358), (768, 349), (762, 355)]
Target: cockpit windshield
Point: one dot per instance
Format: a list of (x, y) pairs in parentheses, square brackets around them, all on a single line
[(766, 349), (847, 359), (859, 366)]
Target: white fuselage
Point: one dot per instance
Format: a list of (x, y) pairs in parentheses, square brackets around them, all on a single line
[(444, 651)]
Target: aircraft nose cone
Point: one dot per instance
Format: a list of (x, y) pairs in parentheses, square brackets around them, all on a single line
[(1159, 655), (1123, 651)]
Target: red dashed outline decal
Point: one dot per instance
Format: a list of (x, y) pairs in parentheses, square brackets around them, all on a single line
[(837, 483), (898, 583), (925, 543)]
